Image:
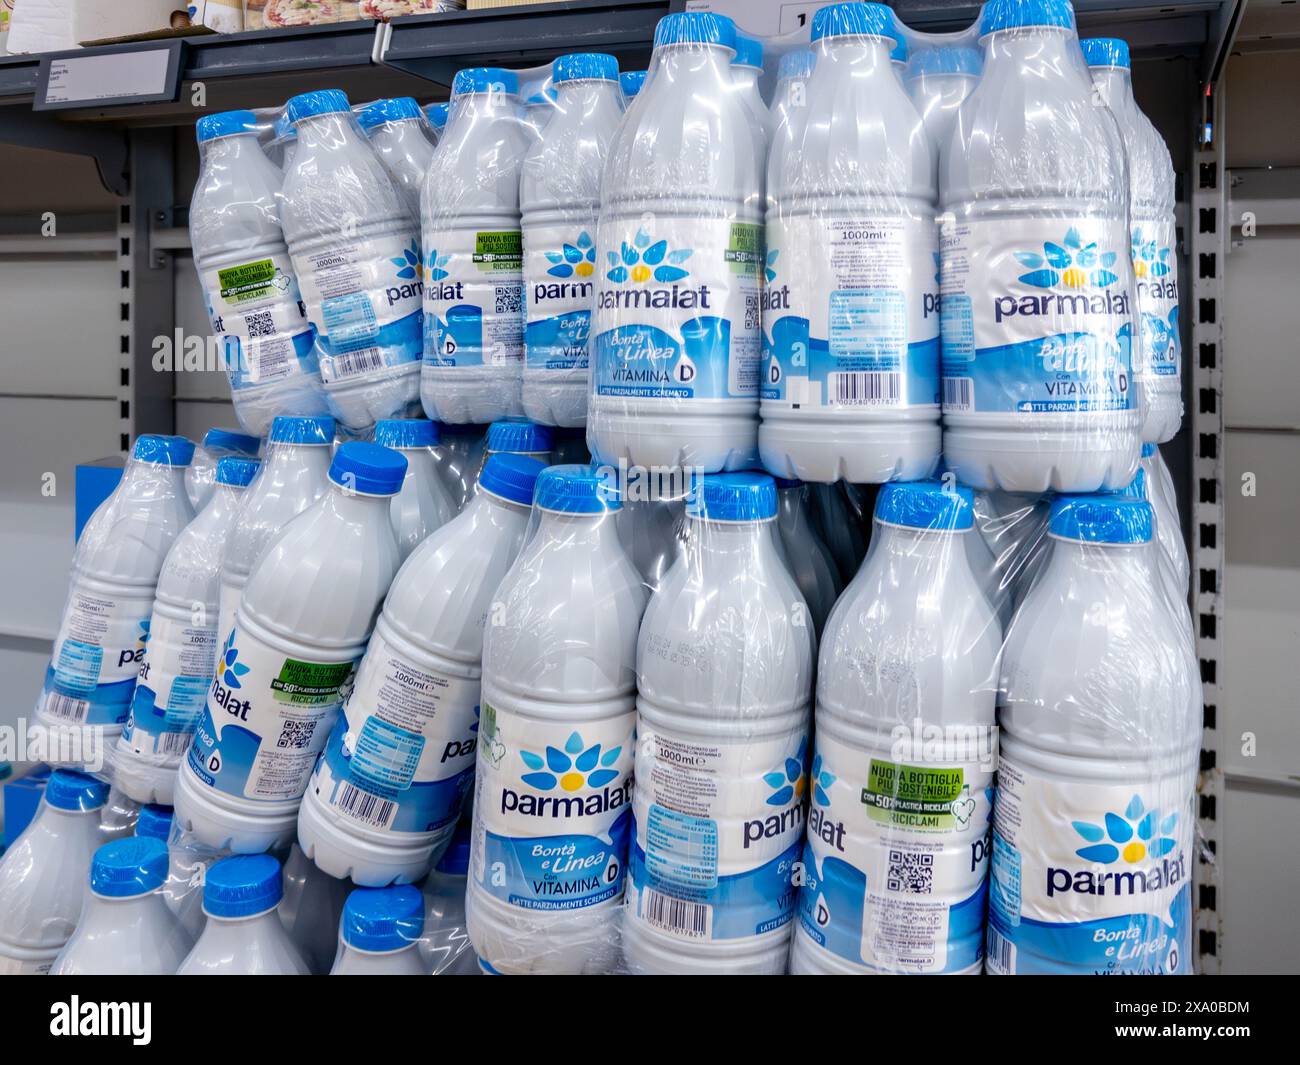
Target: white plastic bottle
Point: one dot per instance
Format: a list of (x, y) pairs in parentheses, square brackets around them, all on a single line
[(379, 934), (1154, 240), (559, 202), (154, 822), (445, 947), (356, 250), (809, 560), (90, 680), (1037, 283), (436, 114), (397, 132), (674, 360), (1163, 498), (243, 935), (201, 475), (552, 806), (790, 100), (460, 456), (473, 250), (938, 80), (181, 652), (291, 479), (125, 928), (851, 310), (43, 872), (902, 776), (516, 437), (290, 658), (746, 69), (390, 785), (725, 665), (631, 81), (539, 107), (283, 141), (1101, 726), (248, 280), (424, 503)]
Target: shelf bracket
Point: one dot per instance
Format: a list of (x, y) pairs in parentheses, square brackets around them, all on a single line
[(105, 144)]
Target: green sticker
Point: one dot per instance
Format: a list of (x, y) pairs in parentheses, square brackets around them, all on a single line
[(250, 281), (501, 250), (310, 683), (911, 796), (746, 248)]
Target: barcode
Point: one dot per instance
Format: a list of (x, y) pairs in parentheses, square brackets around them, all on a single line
[(910, 873), (260, 324), (680, 916), (296, 734), (355, 362), (1001, 952), (867, 388), (509, 299), (66, 708), (362, 805), (958, 393), (174, 742)]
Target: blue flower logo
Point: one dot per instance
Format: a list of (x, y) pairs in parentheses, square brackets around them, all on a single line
[(576, 258), (822, 779), (1071, 264), (642, 260), (1149, 259), (571, 769), (410, 267), (231, 668), (771, 264), (1136, 834), (787, 780), (435, 264)]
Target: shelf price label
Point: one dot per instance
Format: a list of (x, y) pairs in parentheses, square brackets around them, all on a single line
[(117, 74)]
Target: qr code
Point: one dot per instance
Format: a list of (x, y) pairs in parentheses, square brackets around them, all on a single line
[(260, 324), (296, 734), (509, 299), (910, 873), (753, 313)]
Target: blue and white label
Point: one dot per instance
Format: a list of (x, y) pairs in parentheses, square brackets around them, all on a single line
[(553, 809), (364, 299), (1091, 878), (1037, 316), (851, 313), (401, 758), (719, 829), (97, 654), (473, 298), (896, 860), (1156, 269), (172, 687), (559, 287), (677, 312)]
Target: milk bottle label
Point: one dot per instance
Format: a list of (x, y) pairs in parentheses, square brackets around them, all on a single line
[(401, 759), (256, 310), (364, 298), (896, 860), (267, 717), (1091, 878), (474, 298), (552, 809), (1036, 316), (172, 687), (97, 654), (851, 313), (1156, 268), (677, 310), (559, 284), (719, 830)]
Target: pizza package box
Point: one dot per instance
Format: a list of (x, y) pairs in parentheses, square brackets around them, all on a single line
[(57, 25)]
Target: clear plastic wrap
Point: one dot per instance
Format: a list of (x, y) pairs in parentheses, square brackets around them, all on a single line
[(402, 139), (201, 475), (380, 933), (424, 503)]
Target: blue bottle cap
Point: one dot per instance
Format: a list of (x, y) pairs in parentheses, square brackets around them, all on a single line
[(577, 489), (155, 821), (1148, 450), (788, 482), (68, 789), (231, 440), (584, 66), (1101, 519), (796, 64), (242, 886), (455, 859), (899, 53), (696, 27), (287, 429), (163, 450), (398, 109), (519, 438), (407, 432), (631, 81), (129, 867), (749, 52), (1106, 52), (945, 61), (854, 20), (437, 115), (383, 919), (732, 497), (225, 124), (926, 505), (368, 469), (321, 102), (1016, 14), (511, 477), (238, 473), (485, 79)]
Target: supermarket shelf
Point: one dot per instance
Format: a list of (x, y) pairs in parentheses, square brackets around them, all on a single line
[(38, 552)]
